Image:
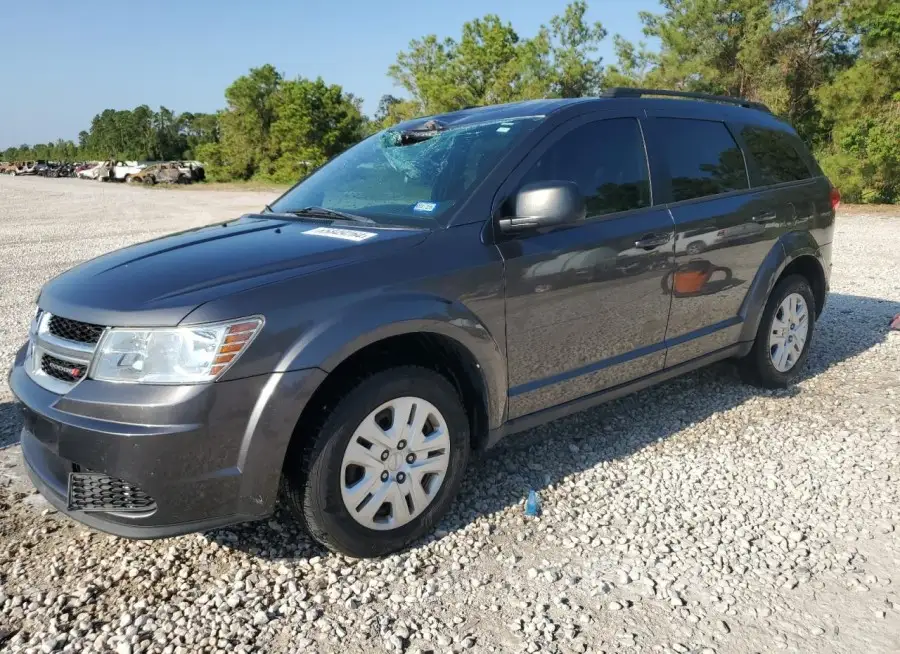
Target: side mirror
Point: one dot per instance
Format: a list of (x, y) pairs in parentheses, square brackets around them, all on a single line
[(544, 204)]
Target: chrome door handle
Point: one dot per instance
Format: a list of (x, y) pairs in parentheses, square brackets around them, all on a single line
[(765, 217), (650, 241)]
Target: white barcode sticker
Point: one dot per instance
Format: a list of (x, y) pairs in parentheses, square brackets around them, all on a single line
[(345, 234)]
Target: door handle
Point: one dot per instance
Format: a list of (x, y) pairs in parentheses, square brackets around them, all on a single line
[(765, 217), (650, 241)]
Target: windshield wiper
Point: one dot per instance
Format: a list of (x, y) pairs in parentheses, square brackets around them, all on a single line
[(322, 212)]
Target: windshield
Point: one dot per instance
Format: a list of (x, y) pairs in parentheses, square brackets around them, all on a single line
[(412, 184)]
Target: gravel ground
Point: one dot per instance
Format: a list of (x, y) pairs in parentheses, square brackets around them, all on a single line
[(698, 516)]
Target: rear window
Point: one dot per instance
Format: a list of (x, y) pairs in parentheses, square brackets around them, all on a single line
[(703, 158), (775, 155)]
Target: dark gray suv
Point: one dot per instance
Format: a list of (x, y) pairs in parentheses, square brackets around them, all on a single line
[(435, 288)]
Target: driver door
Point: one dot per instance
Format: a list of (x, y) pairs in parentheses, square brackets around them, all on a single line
[(586, 304)]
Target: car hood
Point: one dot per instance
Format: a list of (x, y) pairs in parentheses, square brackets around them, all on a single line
[(159, 282)]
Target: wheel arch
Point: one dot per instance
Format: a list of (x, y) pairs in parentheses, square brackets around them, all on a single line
[(427, 349), (409, 330), (793, 253)]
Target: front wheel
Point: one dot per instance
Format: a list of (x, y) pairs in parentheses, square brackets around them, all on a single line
[(784, 335), (383, 466)]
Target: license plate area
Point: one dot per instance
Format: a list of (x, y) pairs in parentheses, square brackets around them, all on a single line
[(40, 428)]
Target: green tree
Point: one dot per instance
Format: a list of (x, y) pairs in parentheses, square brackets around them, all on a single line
[(245, 124), (313, 121), (861, 107), (197, 129), (491, 63), (576, 70), (774, 51)]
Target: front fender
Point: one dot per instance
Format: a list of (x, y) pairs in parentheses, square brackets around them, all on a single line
[(788, 248), (327, 344)]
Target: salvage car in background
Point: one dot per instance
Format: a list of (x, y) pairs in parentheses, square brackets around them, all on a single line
[(193, 169), (21, 168), (163, 173), (123, 170), (92, 170)]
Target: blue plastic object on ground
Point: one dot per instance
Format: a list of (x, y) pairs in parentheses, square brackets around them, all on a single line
[(533, 505)]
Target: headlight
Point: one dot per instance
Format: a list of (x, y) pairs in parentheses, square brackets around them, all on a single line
[(172, 355)]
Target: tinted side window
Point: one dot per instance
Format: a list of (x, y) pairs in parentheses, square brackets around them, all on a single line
[(775, 155), (607, 161), (703, 158)]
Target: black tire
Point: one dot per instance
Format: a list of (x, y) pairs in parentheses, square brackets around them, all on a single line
[(312, 473), (757, 367), (696, 247)]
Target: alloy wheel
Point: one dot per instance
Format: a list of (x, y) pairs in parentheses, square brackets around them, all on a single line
[(789, 331)]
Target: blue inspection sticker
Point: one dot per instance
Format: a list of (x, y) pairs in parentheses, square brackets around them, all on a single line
[(425, 207)]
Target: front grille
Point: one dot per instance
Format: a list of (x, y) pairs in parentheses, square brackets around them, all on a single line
[(66, 371), (72, 330), (93, 491)]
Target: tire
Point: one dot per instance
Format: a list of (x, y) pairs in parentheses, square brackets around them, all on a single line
[(149, 180), (316, 471), (759, 367), (696, 247)]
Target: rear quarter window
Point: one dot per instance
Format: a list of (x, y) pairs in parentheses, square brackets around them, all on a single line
[(776, 157), (703, 158)]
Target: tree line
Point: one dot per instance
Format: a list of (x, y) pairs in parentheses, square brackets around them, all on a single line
[(830, 67)]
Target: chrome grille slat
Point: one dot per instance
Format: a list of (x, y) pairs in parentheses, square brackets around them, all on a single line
[(68, 350)]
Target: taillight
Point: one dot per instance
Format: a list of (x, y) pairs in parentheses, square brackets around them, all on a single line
[(835, 198)]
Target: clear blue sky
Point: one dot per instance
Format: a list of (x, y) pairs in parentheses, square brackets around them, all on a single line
[(75, 59)]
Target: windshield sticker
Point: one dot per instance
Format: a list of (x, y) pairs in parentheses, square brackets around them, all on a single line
[(426, 207), (503, 129), (344, 234)]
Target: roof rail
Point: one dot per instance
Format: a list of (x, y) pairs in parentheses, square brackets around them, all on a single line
[(627, 92)]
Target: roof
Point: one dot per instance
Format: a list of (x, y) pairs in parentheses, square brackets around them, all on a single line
[(706, 106), (496, 112)]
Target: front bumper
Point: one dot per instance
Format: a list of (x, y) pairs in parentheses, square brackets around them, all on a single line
[(208, 454)]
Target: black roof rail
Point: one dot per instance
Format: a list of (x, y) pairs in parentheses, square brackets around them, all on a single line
[(627, 92)]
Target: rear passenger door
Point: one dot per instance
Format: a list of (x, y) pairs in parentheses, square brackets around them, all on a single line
[(724, 231)]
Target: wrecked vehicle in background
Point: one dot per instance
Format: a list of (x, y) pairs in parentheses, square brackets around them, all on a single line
[(161, 173), (20, 168), (90, 170), (123, 170), (193, 169)]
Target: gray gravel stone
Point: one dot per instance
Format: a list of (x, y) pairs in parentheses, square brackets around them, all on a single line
[(724, 518)]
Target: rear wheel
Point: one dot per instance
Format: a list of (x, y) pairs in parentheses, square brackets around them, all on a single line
[(784, 335), (383, 465), (696, 247)]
